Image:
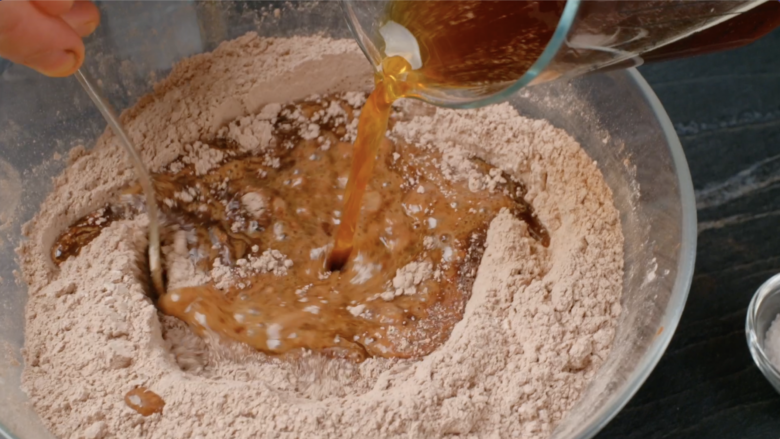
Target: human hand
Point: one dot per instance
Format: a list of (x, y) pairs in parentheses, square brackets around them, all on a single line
[(46, 35)]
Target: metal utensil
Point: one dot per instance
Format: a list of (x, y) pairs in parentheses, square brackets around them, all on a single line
[(155, 262)]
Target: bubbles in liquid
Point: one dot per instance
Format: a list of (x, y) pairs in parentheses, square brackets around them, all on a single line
[(462, 44)]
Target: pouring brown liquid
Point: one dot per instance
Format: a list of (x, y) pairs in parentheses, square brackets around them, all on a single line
[(479, 43), (499, 41), (483, 43)]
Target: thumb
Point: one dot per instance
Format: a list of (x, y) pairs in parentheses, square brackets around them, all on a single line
[(33, 38)]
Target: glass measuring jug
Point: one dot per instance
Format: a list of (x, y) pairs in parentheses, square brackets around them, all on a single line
[(471, 53)]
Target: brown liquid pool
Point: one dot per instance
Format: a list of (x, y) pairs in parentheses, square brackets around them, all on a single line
[(266, 223), (144, 401)]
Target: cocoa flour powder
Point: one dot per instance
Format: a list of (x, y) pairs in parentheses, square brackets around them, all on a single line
[(539, 322)]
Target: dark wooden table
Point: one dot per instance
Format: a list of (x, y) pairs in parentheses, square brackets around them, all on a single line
[(726, 110)]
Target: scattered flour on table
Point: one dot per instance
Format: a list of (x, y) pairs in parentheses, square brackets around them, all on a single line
[(539, 322)]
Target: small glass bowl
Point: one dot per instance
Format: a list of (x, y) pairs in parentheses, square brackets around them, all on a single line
[(762, 311)]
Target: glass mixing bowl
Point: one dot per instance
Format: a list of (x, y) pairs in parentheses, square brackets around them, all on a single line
[(615, 116)]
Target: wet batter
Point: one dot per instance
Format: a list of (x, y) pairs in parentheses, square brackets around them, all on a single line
[(269, 220)]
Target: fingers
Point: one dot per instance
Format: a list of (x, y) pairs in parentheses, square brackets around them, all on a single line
[(83, 17), (55, 63), (38, 40), (53, 7)]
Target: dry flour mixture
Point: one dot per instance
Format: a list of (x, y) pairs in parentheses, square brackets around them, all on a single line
[(517, 335)]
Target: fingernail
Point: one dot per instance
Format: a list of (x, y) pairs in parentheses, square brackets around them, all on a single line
[(56, 64), (85, 29)]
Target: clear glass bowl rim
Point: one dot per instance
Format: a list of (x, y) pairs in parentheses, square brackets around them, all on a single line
[(685, 267)]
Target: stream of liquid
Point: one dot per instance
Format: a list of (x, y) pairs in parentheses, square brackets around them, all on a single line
[(372, 125), (463, 43)]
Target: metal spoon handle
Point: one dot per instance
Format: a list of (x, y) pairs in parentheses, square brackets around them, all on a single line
[(140, 170)]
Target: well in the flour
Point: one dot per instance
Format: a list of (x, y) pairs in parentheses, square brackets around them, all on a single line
[(278, 201)]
